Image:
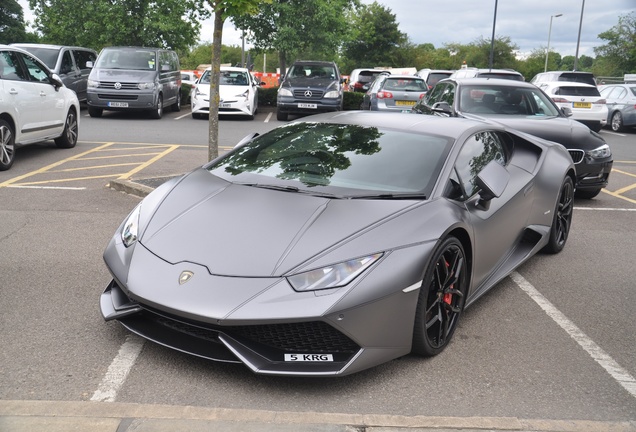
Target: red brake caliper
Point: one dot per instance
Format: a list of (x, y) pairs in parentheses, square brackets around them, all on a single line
[(448, 297)]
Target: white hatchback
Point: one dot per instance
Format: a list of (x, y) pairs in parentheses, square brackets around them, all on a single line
[(238, 93), (34, 105), (584, 100)]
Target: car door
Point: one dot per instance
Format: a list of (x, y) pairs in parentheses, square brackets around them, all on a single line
[(69, 73), (501, 224), (81, 58), (41, 104)]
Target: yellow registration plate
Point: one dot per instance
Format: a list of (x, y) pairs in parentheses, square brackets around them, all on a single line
[(582, 105), (404, 103)]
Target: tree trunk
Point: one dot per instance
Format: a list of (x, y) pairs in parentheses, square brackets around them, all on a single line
[(213, 131), (282, 61)]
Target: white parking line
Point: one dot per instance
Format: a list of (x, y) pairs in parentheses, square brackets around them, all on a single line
[(269, 116), (621, 375), (46, 187), (605, 209), (614, 133), (118, 369)]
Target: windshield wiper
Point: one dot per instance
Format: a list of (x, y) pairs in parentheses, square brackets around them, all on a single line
[(291, 189), (397, 196)]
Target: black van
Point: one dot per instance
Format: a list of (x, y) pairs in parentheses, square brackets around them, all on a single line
[(68, 62), (134, 78)]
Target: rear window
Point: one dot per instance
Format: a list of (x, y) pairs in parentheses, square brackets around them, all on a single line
[(501, 76), (436, 76), (368, 76), (577, 77), (576, 91), (405, 84)]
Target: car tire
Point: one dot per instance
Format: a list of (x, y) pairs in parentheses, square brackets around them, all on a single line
[(587, 194), (441, 299), (617, 122), (562, 219), (68, 139), (95, 112), (7, 145), (281, 116), (176, 107), (157, 112)]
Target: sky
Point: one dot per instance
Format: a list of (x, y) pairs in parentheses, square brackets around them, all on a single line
[(525, 22)]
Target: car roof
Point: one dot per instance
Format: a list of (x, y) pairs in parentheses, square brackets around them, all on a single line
[(494, 81), (566, 84)]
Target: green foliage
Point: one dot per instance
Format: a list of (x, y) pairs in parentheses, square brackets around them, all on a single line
[(620, 50), (171, 24), (11, 22), (267, 96), (352, 100)]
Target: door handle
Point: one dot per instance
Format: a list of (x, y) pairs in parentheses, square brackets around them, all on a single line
[(42, 94), (13, 91)]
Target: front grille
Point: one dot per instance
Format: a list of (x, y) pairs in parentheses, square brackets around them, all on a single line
[(124, 86), (315, 94), (577, 155), (123, 97)]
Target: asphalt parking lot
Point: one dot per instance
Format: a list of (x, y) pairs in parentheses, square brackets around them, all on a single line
[(553, 347)]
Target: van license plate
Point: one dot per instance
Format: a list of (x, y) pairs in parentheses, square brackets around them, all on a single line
[(118, 104), (306, 105)]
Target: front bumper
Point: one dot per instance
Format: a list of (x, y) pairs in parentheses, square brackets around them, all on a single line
[(201, 105), (593, 174), (290, 105), (121, 100)]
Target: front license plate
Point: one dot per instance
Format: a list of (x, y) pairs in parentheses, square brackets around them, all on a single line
[(306, 105), (308, 357), (225, 105), (118, 104), (582, 104), (404, 103)]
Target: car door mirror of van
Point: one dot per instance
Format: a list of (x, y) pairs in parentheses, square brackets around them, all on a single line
[(89, 64), (56, 81)]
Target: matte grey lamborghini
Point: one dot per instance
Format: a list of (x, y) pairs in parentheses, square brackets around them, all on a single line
[(338, 242)]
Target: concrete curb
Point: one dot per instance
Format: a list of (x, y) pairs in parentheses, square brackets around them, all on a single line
[(18, 416)]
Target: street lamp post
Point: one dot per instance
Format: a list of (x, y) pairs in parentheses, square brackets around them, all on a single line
[(547, 51)]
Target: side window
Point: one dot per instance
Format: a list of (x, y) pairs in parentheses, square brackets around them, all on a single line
[(10, 67), (449, 94), (477, 152), (436, 95), (67, 63), (81, 57), (35, 70)]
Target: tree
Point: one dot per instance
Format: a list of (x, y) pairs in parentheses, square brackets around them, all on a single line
[(375, 39), (291, 27), (620, 49), (11, 22), (173, 24)]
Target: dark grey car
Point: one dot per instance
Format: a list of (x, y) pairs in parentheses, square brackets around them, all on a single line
[(328, 262), (525, 107), (68, 62)]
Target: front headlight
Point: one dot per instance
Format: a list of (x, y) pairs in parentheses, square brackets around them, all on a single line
[(93, 83), (284, 92), (601, 152), (333, 94), (131, 228), (244, 95), (334, 276), (146, 85)]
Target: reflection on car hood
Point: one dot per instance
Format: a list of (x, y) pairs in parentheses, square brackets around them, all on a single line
[(122, 75), (237, 230), (567, 132)]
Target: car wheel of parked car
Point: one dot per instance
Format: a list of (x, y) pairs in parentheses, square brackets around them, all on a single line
[(587, 194), (68, 139), (617, 122), (158, 111), (597, 127), (7, 146), (562, 219), (177, 106), (441, 299), (95, 112), (281, 116)]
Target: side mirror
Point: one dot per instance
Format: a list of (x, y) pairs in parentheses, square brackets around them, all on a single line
[(567, 111), (492, 181), (89, 64), (442, 107), (246, 139), (56, 81)]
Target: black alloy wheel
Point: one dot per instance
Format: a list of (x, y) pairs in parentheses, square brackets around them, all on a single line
[(7, 146), (442, 298), (562, 220)]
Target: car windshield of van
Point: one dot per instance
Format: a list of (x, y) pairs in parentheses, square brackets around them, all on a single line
[(129, 59)]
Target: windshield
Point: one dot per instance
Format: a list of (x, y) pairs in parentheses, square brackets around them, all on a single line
[(129, 59), (339, 159), (491, 99), (312, 71)]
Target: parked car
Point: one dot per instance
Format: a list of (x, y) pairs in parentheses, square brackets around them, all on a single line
[(310, 87), (488, 73), (584, 100), (621, 105), (375, 231), (134, 78), (238, 92), (358, 78), (432, 76), (189, 77), (568, 76), (394, 93), (523, 106), (35, 105), (70, 63)]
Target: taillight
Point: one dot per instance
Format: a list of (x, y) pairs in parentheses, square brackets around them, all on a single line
[(357, 85), (600, 102), (560, 100), (422, 95), (385, 95)]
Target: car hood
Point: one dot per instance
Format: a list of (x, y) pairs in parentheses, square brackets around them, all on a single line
[(237, 230), (567, 132), (323, 83), (122, 75)]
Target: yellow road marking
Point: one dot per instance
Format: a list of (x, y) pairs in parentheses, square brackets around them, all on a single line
[(150, 162), (615, 194)]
